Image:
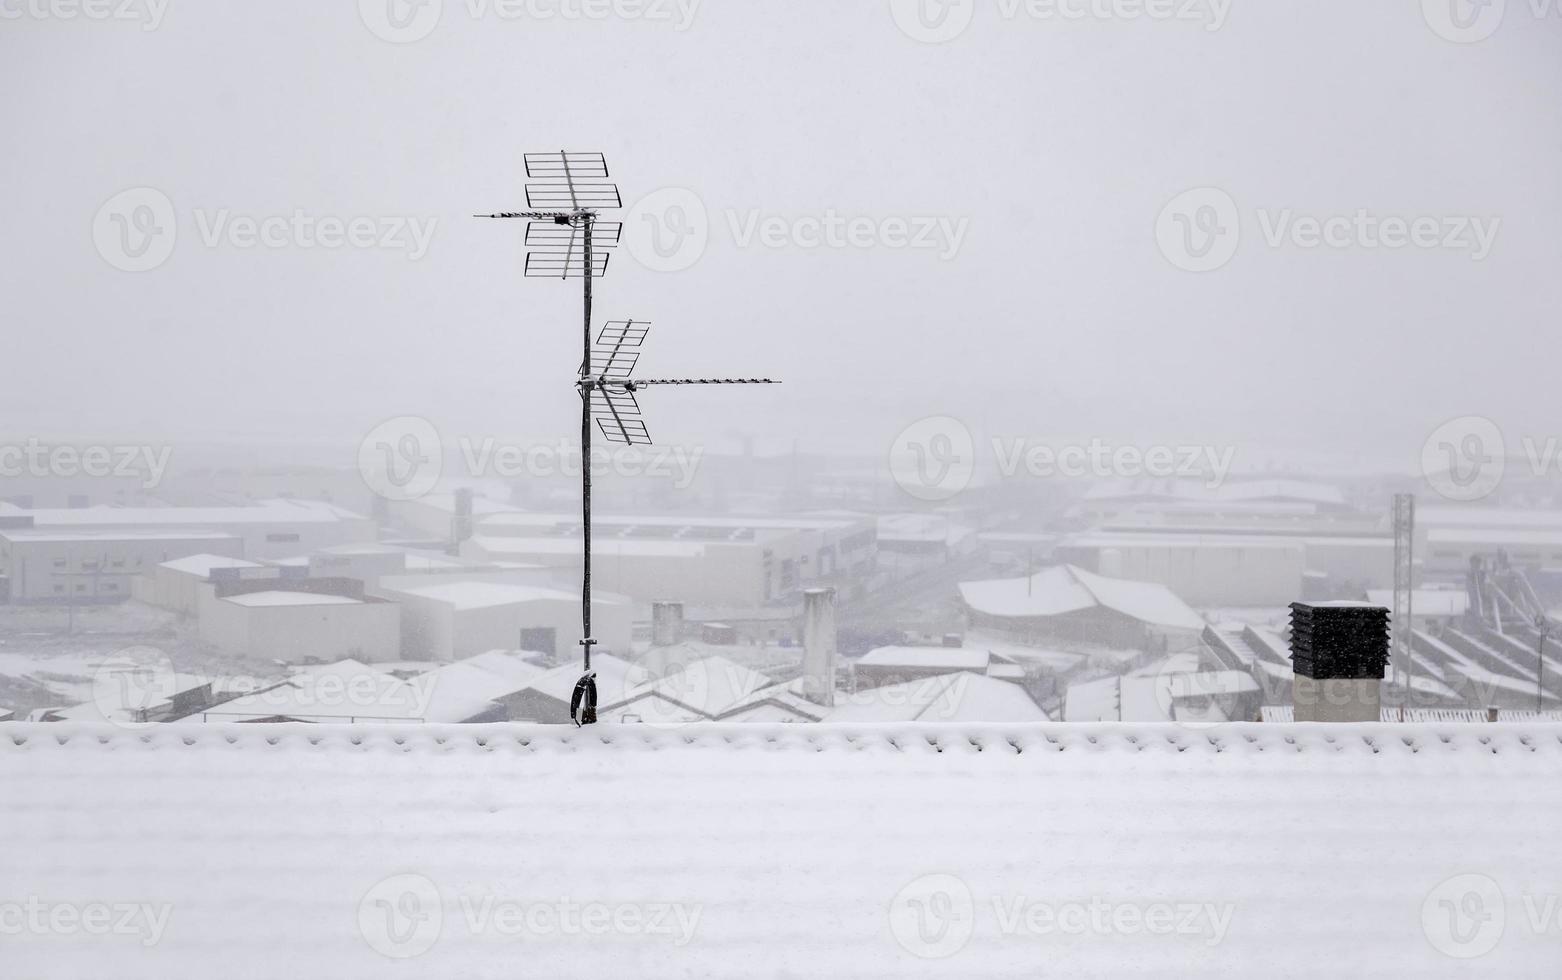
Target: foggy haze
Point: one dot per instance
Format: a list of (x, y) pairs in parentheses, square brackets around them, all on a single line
[(1053, 144)]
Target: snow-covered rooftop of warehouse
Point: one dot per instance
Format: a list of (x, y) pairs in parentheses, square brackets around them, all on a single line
[(678, 522), (948, 658), (901, 851), (282, 597), (52, 534), (480, 595), (1230, 491), (202, 565), (1068, 588), (261, 512), (499, 545), (1476, 515), (962, 696)]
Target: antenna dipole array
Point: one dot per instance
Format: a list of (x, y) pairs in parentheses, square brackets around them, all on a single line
[(563, 196)]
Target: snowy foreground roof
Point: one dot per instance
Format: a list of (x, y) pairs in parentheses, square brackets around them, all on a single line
[(785, 850)]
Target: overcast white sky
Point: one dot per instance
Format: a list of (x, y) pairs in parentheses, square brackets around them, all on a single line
[(1054, 143)]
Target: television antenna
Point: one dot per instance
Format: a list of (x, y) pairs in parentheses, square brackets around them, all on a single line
[(564, 194)]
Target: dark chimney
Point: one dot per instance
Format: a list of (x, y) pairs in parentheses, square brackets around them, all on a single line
[(1339, 652)]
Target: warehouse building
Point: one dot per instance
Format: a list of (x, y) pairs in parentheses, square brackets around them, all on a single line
[(1204, 569), (63, 565), (458, 619), (299, 620), (726, 562), (1071, 604)]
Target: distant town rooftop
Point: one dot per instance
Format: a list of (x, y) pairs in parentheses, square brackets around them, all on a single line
[(263, 512), (278, 597)]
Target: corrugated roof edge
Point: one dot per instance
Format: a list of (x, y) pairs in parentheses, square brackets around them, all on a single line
[(1237, 738)]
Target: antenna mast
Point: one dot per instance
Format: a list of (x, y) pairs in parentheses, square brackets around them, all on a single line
[(562, 236)]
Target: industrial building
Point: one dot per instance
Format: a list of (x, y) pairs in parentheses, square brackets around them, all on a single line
[(456, 619), (1205, 570), (91, 553), (709, 562), (1072, 604), (64, 565), (299, 620), (177, 584)]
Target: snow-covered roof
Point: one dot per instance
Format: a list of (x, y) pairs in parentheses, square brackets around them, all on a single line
[(703, 689), (1067, 588), (925, 528), (278, 511), (347, 690), (962, 696), (1494, 534), (1477, 515), (480, 595), (900, 851), (1231, 491), (800, 522), (612, 547), (53, 534), (931, 658), (202, 565), (280, 597)]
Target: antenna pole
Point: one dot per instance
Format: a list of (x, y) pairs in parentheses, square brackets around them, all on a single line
[(585, 445)]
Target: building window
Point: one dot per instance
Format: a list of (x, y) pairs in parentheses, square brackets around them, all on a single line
[(110, 586), (81, 586), (59, 563), (58, 589), (281, 538)]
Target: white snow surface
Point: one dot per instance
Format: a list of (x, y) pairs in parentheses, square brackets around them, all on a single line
[(1069, 588), (794, 851)]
